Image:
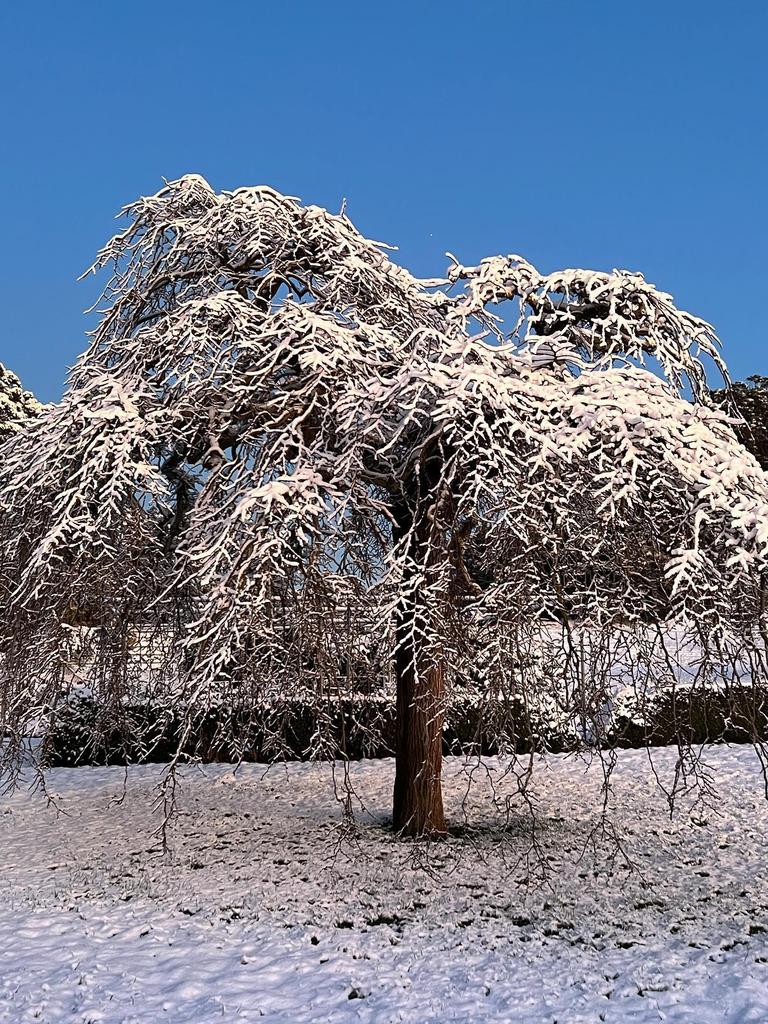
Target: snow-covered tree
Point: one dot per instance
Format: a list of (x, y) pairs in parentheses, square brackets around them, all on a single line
[(749, 400), (283, 456), (16, 404)]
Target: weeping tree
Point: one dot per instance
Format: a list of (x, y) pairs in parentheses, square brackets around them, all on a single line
[(283, 457)]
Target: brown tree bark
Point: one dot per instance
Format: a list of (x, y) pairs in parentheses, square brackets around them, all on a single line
[(420, 675)]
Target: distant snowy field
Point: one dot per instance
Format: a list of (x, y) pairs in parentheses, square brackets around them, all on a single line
[(266, 909)]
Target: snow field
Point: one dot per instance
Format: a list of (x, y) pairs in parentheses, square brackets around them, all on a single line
[(266, 908)]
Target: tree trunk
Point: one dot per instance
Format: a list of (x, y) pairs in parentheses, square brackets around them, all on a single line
[(418, 798)]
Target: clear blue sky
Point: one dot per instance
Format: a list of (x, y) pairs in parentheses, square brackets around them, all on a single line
[(592, 134)]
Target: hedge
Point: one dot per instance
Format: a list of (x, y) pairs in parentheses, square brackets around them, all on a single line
[(356, 727)]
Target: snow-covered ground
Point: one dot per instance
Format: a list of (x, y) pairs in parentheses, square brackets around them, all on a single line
[(265, 909)]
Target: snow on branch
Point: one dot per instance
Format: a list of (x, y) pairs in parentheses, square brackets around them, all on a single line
[(593, 315)]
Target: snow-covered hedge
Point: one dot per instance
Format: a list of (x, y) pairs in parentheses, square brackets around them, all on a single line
[(364, 727)]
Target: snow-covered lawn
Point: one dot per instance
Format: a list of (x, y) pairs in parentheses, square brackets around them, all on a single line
[(265, 909)]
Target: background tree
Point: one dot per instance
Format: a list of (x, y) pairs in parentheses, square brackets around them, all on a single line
[(281, 447), (16, 404), (749, 400)]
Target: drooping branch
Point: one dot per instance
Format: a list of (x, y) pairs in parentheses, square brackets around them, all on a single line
[(590, 314)]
